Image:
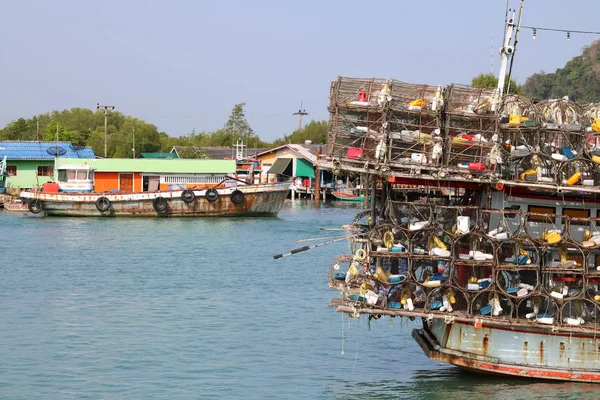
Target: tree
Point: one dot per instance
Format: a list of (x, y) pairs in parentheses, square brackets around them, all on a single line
[(315, 131), (490, 81), (237, 125)]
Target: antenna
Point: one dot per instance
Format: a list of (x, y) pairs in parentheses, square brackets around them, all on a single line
[(300, 113), (492, 51)]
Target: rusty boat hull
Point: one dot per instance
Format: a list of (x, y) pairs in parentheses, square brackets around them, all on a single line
[(524, 352), (256, 201)]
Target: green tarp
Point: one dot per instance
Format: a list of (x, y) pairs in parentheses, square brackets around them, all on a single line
[(280, 165), (304, 168)]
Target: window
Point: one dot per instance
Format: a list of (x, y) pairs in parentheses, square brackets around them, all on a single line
[(11, 170), (70, 174), (577, 213), (62, 175), (45, 171), (81, 175), (541, 210)]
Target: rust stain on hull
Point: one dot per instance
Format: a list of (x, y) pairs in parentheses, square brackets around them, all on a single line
[(255, 203)]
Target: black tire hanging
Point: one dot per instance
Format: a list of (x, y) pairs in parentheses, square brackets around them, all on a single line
[(35, 206), (212, 195), (160, 204), (237, 197), (103, 204), (188, 196)]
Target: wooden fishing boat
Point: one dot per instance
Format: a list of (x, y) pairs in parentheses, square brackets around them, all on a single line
[(16, 206), (221, 201), (344, 196)]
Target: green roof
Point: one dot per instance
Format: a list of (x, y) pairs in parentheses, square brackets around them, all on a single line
[(155, 166), (159, 155)]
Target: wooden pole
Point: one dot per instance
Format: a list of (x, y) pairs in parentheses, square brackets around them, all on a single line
[(364, 186), (373, 199), (318, 179)]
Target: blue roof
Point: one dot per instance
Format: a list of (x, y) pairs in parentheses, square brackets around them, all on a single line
[(43, 150)]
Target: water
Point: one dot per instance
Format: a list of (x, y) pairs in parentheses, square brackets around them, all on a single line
[(198, 308)]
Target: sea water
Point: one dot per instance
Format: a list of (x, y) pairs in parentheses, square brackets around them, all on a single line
[(100, 308)]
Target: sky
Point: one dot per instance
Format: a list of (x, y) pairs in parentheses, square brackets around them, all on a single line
[(183, 64)]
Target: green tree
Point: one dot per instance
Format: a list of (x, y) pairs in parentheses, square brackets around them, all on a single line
[(490, 81), (315, 131), (237, 125)]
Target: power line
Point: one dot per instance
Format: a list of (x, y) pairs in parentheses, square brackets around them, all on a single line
[(567, 31)]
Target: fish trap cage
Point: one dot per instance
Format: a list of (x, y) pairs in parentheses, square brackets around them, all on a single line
[(518, 253), (518, 283), (580, 312), (354, 134), (339, 269), (414, 138), (426, 272), (416, 98), (399, 296), (578, 172), (456, 220), (501, 224), (559, 114), (534, 168), (518, 112), (567, 255), (431, 242), (542, 228), (538, 308), (470, 108), (563, 285), (358, 93), (462, 148), (474, 261), (561, 145), (591, 113), (410, 216), (592, 287), (447, 300), (492, 304), (582, 230)]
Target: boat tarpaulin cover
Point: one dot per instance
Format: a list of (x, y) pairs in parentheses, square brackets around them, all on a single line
[(280, 165), (304, 168)]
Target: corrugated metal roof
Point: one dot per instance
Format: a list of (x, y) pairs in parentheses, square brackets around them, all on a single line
[(156, 165), (15, 150), (306, 151), (220, 152), (159, 155)]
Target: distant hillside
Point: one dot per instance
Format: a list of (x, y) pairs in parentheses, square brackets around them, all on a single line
[(579, 79)]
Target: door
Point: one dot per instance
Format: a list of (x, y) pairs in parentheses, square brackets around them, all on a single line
[(126, 183)]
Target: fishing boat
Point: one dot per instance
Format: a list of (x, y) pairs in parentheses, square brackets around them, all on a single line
[(16, 206), (344, 196), (502, 268), (239, 200), (72, 196)]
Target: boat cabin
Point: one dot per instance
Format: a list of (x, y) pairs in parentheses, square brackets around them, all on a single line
[(75, 178)]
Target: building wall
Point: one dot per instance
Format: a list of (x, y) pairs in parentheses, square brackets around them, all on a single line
[(26, 177), (107, 181), (270, 158)]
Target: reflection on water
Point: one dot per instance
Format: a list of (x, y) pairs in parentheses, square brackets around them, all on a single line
[(198, 308)]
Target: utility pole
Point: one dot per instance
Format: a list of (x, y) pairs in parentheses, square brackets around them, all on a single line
[(133, 148), (37, 132), (106, 110), (300, 113)]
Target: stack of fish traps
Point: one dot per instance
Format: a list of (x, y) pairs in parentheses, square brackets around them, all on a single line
[(462, 261), (459, 132)]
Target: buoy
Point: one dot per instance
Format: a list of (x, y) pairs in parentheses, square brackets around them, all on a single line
[(574, 178), (362, 96)]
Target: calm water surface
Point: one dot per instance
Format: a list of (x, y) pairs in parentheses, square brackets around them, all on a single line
[(198, 308)]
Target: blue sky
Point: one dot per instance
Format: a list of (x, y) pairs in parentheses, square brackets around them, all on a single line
[(183, 64)]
